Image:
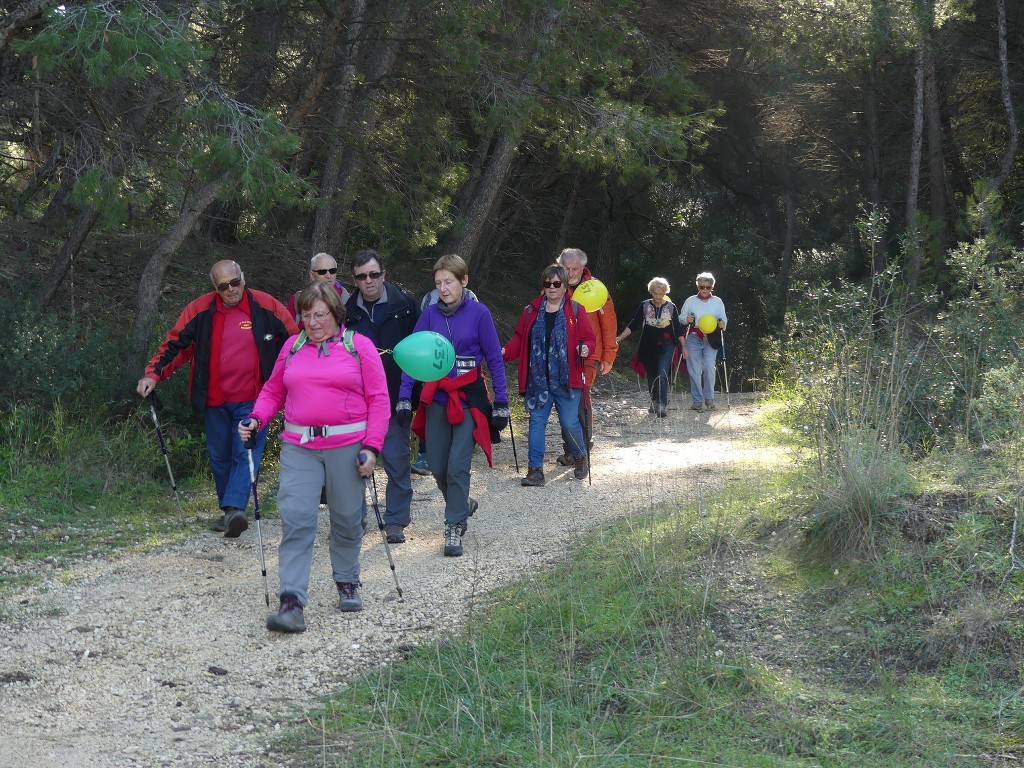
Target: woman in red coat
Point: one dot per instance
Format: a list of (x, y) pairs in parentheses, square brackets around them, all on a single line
[(551, 341)]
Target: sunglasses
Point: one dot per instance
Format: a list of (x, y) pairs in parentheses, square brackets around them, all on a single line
[(323, 272), (705, 287), (552, 283), (367, 276), (229, 284)]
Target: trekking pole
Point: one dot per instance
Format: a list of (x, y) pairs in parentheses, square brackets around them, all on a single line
[(249, 445), (587, 434), (363, 456), (511, 435), (725, 373), (154, 405)]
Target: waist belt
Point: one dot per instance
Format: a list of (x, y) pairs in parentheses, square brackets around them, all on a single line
[(308, 433)]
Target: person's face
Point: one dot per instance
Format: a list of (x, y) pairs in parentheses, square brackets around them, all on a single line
[(554, 289), (223, 278), (575, 269), (449, 287), (328, 266), (658, 296), (369, 279), (319, 322)]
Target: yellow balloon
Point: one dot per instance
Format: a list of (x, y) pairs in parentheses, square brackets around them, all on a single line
[(591, 294), (708, 323)]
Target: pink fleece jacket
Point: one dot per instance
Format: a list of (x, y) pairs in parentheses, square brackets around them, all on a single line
[(328, 390)]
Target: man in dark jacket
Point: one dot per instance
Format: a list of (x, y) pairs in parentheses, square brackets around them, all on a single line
[(230, 338), (381, 310)]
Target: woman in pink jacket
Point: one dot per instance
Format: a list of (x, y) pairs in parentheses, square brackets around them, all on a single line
[(336, 411)]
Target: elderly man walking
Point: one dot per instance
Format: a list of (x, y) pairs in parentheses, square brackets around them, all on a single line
[(384, 312), (605, 326), (230, 337), (323, 268)]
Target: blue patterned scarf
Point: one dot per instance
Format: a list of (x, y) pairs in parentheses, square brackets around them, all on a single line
[(549, 366)]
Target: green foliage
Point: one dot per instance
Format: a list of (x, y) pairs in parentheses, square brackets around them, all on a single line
[(47, 357)]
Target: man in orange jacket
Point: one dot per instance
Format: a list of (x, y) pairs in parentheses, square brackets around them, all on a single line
[(605, 326)]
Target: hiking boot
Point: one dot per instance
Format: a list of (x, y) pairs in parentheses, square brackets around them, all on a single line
[(395, 533), (582, 468), (235, 522), (474, 505), (534, 477), (348, 596), (697, 407), (420, 466), (565, 459), (289, 617), (218, 526), (662, 411), (453, 533), (709, 404)]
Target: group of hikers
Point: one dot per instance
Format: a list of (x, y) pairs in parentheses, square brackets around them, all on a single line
[(325, 358)]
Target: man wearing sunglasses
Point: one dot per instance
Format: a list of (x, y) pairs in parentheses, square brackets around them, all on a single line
[(322, 269), (382, 311), (230, 337)]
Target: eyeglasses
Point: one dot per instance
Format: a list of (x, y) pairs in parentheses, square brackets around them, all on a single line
[(705, 287), (322, 272), (552, 283), (229, 284), (367, 276), (318, 316)]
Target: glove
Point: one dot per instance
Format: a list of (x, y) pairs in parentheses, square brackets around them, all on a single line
[(403, 413), (499, 416)]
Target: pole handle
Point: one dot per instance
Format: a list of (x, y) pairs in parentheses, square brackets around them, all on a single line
[(251, 442)]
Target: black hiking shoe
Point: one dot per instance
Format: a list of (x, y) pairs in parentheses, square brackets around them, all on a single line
[(581, 467), (565, 459), (289, 617), (453, 534), (348, 596), (474, 505), (534, 477), (395, 533), (218, 525), (235, 522)]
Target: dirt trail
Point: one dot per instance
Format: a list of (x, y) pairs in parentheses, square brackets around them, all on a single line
[(163, 659)]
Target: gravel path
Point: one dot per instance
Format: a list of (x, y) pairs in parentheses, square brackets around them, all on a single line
[(163, 659)]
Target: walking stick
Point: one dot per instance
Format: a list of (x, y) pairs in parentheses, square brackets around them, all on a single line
[(725, 373), (511, 435), (587, 435), (249, 445), (363, 456), (154, 405)]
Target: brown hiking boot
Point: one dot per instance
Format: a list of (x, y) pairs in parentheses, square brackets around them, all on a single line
[(582, 468), (534, 477), (565, 459)]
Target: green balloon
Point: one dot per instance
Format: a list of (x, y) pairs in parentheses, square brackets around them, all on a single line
[(425, 355)]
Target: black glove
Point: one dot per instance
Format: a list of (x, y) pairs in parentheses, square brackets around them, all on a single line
[(499, 416), (403, 413)]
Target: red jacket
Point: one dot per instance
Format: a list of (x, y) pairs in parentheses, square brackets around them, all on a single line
[(577, 328)]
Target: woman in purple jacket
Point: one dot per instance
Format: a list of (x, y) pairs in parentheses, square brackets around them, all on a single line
[(455, 413), (336, 410)]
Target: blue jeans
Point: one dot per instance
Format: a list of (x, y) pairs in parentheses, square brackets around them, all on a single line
[(229, 460), (659, 370), (700, 363), (567, 406)]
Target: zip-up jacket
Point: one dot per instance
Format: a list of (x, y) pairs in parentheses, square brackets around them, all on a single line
[(189, 341), (578, 331), (394, 321)]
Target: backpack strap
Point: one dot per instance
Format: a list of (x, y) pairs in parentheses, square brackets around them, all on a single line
[(347, 339)]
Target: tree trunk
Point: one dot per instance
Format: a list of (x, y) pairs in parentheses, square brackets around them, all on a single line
[(152, 279), (570, 209), (913, 233), (609, 241), (936, 159), (464, 240), (786, 263), (19, 17), (62, 264)]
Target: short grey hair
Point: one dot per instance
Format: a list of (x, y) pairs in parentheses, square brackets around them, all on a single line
[(707, 277), (572, 254), (315, 259), (658, 282)]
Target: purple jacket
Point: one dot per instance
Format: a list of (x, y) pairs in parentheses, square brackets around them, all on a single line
[(471, 331)]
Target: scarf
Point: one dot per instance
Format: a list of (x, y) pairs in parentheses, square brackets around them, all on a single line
[(449, 309), (548, 369), (214, 395)]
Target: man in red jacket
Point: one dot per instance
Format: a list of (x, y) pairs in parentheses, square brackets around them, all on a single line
[(605, 327), (230, 337)]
